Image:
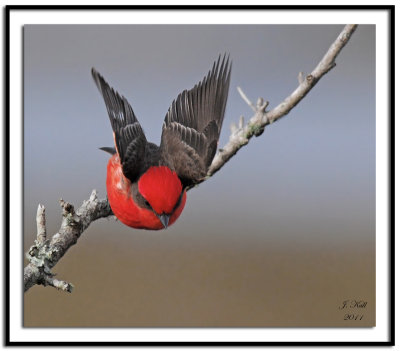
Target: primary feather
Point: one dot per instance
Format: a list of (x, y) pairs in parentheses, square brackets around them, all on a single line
[(193, 123), (130, 140)]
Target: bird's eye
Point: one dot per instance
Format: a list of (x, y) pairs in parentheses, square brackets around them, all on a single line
[(146, 203)]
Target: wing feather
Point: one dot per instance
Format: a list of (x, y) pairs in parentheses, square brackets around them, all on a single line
[(193, 124), (129, 137)]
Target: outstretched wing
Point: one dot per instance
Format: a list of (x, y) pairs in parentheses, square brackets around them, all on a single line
[(193, 124), (129, 138)]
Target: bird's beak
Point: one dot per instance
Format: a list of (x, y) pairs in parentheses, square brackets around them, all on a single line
[(164, 219)]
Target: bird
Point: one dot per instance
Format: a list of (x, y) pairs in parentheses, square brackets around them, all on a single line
[(146, 183)]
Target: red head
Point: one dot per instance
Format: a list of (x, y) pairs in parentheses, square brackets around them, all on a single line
[(162, 188)]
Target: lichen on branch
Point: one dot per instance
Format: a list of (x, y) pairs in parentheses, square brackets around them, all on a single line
[(45, 253)]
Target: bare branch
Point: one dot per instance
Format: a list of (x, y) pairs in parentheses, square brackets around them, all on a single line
[(257, 123), (58, 284), (300, 77), (45, 253), (246, 99), (41, 224)]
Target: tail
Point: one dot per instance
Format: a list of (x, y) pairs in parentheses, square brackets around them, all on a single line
[(110, 150)]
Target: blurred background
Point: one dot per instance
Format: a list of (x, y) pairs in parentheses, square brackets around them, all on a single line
[(280, 236)]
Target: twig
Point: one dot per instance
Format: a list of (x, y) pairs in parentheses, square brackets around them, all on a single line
[(58, 284), (300, 77), (41, 224), (245, 98)]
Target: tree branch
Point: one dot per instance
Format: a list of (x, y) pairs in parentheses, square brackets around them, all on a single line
[(257, 123), (45, 253)]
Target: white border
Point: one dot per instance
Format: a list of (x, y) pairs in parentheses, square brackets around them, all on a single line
[(20, 18)]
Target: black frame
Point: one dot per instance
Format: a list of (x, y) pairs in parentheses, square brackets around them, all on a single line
[(6, 184)]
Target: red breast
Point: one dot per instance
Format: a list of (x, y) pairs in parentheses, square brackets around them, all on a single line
[(153, 185)]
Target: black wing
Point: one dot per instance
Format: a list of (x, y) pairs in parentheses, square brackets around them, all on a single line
[(129, 138), (193, 124)]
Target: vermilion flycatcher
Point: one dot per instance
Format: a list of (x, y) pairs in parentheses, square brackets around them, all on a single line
[(146, 183)]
